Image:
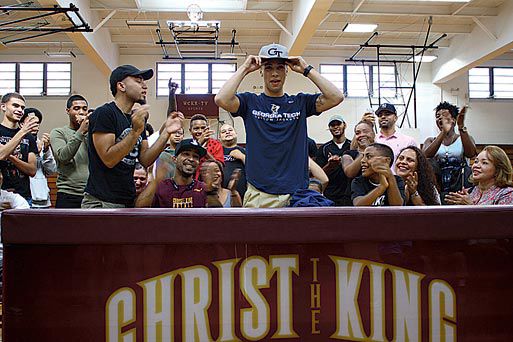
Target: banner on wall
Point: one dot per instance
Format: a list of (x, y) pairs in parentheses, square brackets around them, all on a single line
[(368, 291), (190, 104)]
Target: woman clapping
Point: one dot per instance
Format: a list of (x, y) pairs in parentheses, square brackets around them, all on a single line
[(413, 167)]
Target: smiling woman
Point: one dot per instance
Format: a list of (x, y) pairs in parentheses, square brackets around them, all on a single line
[(413, 167), (492, 176)]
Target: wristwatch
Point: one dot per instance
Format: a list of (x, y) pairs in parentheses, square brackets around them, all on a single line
[(463, 129), (307, 70)]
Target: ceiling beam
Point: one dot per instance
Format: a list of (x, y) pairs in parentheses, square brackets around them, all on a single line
[(97, 45), (476, 48), (303, 22), (279, 23)]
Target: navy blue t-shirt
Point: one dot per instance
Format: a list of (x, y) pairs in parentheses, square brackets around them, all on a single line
[(276, 144), (115, 185)]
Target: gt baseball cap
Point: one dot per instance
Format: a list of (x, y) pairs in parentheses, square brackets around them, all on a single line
[(122, 71), (386, 107), (274, 51)]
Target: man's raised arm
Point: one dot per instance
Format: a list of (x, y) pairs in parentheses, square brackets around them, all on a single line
[(226, 98), (331, 95)]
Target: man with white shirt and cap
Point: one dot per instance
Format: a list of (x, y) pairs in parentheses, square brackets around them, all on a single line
[(388, 134), (276, 134)]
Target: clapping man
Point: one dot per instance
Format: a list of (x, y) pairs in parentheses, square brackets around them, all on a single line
[(117, 140)]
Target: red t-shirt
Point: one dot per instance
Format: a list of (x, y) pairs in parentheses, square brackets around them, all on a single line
[(214, 148), (171, 195)]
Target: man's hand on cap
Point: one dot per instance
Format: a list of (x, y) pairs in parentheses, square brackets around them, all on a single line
[(297, 64), (252, 63)]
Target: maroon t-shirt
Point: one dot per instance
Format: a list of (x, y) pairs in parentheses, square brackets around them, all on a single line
[(171, 195)]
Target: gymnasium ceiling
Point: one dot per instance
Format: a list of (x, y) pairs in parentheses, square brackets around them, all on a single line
[(309, 31)]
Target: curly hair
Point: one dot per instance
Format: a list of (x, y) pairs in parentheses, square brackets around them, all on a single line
[(450, 107), (426, 177)]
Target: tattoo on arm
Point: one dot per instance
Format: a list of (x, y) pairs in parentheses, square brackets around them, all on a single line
[(320, 102)]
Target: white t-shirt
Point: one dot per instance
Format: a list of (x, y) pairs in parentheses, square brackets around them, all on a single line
[(16, 201)]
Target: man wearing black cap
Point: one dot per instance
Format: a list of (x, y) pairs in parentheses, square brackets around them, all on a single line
[(181, 191), (330, 159), (276, 124), (117, 139), (388, 135)]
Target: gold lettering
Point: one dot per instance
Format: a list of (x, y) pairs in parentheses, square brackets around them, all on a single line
[(120, 309), (315, 296), (442, 312), (315, 322), (284, 266), (314, 270)]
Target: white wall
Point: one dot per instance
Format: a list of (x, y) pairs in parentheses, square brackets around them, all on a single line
[(488, 121)]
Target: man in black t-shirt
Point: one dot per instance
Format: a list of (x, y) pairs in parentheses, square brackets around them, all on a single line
[(377, 186), (18, 147), (234, 158), (117, 140), (329, 158)]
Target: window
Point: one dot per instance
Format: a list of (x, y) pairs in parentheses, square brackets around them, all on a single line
[(479, 83), (387, 81), (490, 82), (354, 80), (193, 78), (7, 78), (333, 73), (36, 79), (358, 80)]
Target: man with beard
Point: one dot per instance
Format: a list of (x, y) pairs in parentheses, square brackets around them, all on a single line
[(330, 159), (18, 147), (117, 139), (276, 129), (234, 158), (388, 135), (181, 191)]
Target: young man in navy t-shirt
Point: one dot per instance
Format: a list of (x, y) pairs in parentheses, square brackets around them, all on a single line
[(276, 137)]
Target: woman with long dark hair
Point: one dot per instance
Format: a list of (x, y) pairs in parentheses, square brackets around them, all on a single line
[(419, 179)]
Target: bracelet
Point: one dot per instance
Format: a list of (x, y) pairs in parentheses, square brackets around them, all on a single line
[(415, 194), (307, 70)]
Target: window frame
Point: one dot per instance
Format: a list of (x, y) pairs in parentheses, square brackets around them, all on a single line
[(491, 84), (44, 92), (370, 79), (183, 84)]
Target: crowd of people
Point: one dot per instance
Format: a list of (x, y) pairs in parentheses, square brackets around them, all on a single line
[(109, 157)]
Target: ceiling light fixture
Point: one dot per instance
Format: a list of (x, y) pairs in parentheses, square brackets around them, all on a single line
[(142, 23), (424, 59), (361, 28), (232, 55), (60, 54)]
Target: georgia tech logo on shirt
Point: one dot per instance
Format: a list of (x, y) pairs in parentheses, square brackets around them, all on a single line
[(274, 52), (274, 109)]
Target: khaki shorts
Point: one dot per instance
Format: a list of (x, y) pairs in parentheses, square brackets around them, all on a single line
[(255, 198), (91, 202)]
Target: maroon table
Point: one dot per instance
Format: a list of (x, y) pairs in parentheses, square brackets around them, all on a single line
[(319, 274)]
